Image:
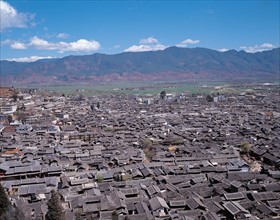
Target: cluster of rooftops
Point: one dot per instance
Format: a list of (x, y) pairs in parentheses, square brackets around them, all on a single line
[(143, 157)]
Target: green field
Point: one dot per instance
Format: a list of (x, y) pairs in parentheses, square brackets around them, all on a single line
[(145, 88), (129, 88)]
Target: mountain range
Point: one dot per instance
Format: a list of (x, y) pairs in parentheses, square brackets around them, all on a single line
[(172, 63)]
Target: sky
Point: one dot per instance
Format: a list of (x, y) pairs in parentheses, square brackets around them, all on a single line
[(37, 29)]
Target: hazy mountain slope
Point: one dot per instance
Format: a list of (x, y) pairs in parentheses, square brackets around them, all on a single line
[(171, 62)]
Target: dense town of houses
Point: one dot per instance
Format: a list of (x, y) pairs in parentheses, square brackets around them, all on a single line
[(143, 157)]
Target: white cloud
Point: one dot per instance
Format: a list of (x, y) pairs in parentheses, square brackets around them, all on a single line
[(185, 43), (146, 44), (117, 46), (62, 35), (258, 48), (142, 48), (40, 43), (223, 49), (18, 46), (267, 45), (82, 45), (30, 59), (150, 40), (61, 47), (11, 18)]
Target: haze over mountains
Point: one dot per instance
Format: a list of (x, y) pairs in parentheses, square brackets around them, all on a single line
[(169, 64)]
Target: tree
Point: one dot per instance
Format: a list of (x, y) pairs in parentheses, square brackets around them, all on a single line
[(146, 143), (115, 215), (149, 153), (162, 94), (148, 149), (209, 98), (20, 113), (5, 204), (54, 207), (98, 105), (245, 147), (91, 107), (15, 97), (81, 97), (99, 178), (10, 119)]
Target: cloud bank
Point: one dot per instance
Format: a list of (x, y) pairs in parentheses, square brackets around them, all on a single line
[(258, 48), (142, 48), (62, 46), (152, 44), (30, 59), (187, 42), (223, 50), (147, 44)]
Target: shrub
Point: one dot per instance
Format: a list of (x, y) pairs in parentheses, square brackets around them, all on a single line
[(245, 147), (99, 178)]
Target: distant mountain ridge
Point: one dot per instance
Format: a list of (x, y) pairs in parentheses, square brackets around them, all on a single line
[(171, 63)]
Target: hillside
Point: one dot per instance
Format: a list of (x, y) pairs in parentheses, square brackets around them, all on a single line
[(171, 63)]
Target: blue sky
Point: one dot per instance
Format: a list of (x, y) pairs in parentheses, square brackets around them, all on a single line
[(43, 29)]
